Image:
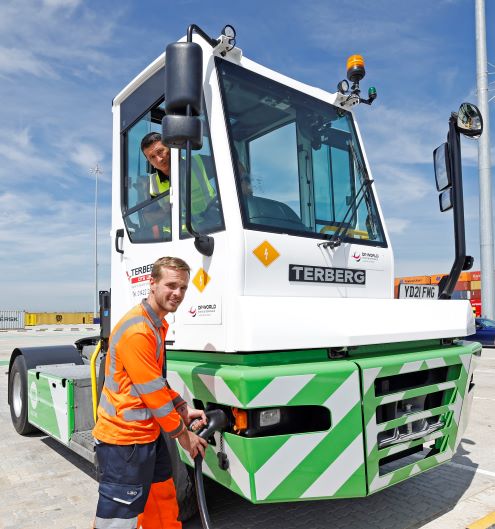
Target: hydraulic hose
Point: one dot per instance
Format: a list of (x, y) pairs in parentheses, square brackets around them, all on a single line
[(200, 492), (217, 421)]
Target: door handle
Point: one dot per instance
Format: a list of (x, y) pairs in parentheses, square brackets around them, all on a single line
[(119, 238)]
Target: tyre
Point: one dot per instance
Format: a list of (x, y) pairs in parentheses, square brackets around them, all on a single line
[(18, 396), (184, 482)]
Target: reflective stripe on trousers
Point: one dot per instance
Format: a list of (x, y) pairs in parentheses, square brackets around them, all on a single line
[(115, 523)]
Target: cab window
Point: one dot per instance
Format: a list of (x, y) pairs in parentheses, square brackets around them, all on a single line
[(298, 162), (206, 210), (147, 213)]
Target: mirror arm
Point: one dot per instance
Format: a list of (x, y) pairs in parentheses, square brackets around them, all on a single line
[(203, 243), (461, 261), (193, 27)]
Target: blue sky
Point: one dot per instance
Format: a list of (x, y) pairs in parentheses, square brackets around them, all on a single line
[(62, 62)]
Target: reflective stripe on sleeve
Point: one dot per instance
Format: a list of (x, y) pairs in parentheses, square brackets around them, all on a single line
[(178, 401), (115, 523), (177, 431), (147, 387), (163, 411), (107, 406)]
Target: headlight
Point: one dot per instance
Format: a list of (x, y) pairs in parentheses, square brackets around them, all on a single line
[(269, 417)]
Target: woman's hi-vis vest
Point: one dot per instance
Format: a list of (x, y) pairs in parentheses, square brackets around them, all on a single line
[(136, 400)]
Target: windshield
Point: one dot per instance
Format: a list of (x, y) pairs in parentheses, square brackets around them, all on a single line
[(298, 164)]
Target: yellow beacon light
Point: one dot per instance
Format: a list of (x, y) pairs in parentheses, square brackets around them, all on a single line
[(355, 68)]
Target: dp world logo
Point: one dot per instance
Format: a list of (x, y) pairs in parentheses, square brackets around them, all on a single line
[(356, 256), (193, 312)]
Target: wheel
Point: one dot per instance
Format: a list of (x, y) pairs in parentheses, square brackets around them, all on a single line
[(184, 482), (18, 396)]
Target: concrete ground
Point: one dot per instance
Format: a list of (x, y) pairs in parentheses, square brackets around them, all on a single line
[(42, 484)]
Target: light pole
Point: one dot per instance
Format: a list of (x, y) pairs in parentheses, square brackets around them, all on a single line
[(486, 219), (96, 171)]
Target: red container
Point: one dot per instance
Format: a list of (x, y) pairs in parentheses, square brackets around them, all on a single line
[(475, 276), (475, 295), (476, 308), (463, 285)]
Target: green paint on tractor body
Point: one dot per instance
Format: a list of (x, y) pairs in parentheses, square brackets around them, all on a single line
[(394, 411)]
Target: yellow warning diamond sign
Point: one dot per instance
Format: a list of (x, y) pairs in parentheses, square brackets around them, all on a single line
[(266, 253), (201, 279)]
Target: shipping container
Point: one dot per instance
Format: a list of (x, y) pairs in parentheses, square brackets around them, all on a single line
[(463, 285), (475, 294), (475, 276), (59, 318), (477, 307), (465, 276), (415, 280), (29, 319), (11, 319), (461, 294), (475, 285)]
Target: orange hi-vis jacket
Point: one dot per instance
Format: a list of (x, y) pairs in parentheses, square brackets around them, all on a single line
[(136, 400)]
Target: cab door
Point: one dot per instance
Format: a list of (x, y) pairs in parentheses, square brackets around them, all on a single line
[(149, 225)]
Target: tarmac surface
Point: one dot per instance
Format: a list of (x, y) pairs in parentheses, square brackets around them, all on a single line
[(44, 485)]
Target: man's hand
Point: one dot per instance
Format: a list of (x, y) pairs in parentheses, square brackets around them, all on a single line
[(192, 443), (189, 415)]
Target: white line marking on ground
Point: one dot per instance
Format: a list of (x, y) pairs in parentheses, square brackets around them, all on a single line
[(476, 470)]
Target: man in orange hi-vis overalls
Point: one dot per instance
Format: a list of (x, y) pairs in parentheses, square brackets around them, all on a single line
[(136, 488)]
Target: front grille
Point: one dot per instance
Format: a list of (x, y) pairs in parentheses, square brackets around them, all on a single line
[(410, 407)]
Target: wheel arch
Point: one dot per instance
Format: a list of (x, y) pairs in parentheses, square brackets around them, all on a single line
[(47, 355)]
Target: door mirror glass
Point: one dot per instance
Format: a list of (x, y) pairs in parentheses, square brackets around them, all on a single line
[(445, 199), (441, 163), (469, 120)]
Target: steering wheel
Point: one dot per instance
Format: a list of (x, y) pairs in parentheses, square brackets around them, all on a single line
[(212, 211)]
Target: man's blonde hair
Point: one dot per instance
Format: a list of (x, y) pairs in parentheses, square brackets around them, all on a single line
[(168, 262)]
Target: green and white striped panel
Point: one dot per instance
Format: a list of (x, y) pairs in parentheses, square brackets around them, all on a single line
[(449, 411), (285, 467)]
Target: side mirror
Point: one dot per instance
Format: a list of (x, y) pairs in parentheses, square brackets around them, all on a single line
[(441, 164), (445, 200), (183, 95), (469, 121), (448, 175)]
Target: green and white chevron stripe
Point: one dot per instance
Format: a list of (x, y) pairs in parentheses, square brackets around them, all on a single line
[(458, 360), (327, 464), (284, 467)]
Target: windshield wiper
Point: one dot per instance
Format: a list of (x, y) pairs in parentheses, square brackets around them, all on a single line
[(363, 192)]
